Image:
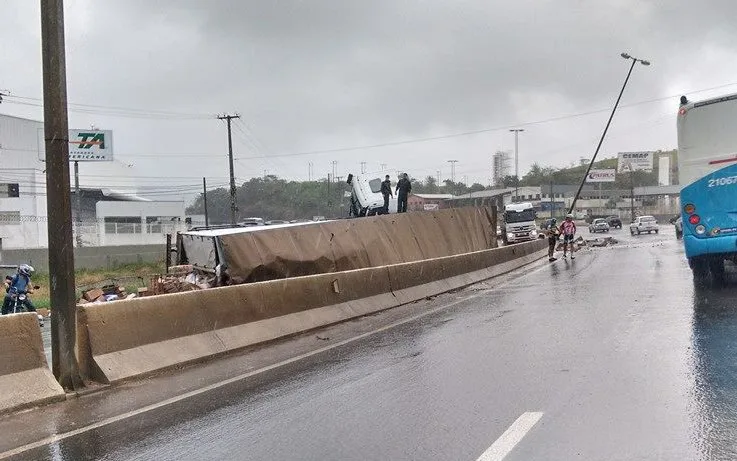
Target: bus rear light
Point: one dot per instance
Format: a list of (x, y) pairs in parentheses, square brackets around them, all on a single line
[(700, 229), (682, 111), (689, 208), (694, 219)]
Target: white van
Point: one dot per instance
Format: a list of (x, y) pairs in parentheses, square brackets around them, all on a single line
[(366, 198)]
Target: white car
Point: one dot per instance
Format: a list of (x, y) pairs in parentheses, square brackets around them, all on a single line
[(644, 224)]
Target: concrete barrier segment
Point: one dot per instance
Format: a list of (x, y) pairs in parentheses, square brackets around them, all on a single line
[(140, 336), (25, 378)]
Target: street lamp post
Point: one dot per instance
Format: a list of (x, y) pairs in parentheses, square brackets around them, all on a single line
[(606, 128), (516, 132)]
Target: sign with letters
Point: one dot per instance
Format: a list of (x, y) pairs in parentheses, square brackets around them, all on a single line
[(635, 161), (84, 145), (602, 175)]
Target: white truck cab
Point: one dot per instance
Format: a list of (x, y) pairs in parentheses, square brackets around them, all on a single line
[(519, 223), (366, 198)]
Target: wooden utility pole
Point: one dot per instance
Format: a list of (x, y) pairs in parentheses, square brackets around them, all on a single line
[(58, 201), (233, 203)]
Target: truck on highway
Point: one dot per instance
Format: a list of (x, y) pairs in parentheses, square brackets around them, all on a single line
[(707, 166), (366, 198), (519, 223)]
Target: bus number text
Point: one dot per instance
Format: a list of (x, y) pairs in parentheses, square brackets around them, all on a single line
[(728, 181)]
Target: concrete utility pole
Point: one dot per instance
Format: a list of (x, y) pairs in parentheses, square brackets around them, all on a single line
[(204, 199), (363, 167), (58, 201), (233, 203), (606, 128), (516, 132), (453, 170)]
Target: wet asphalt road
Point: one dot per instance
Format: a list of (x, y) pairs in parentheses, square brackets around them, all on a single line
[(621, 354)]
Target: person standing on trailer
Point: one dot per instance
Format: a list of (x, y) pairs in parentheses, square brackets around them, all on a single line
[(386, 191), (404, 187)]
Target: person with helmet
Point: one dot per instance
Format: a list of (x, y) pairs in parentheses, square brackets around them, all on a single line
[(20, 284), (568, 229), (553, 235)]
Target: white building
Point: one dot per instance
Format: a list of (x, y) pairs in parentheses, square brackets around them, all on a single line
[(109, 216)]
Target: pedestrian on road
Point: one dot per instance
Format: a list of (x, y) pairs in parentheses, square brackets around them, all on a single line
[(404, 187), (553, 235), (386, 191), (568, 229)]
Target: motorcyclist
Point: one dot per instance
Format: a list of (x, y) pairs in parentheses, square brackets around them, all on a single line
[(20, 284)]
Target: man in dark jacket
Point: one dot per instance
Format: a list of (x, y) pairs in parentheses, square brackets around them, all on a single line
[(404, 187), (386, 191)]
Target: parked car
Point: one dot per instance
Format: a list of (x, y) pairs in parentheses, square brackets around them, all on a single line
[(644, 224), (275, 221), (252, 222), (598, 225), (677, 222), (614, 221)]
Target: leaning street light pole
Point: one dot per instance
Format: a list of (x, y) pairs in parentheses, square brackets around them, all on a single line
[(516, 132), (58, 198), (606, 128)]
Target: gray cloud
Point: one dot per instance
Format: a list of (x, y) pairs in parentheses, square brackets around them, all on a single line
[(324, 74)]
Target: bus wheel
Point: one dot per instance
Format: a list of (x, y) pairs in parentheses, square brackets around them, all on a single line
[(699, 267), (716, 267)]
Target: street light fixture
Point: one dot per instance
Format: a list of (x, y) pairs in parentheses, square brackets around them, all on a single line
[(606, 128)]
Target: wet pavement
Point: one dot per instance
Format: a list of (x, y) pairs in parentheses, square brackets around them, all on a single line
[(617, 352)]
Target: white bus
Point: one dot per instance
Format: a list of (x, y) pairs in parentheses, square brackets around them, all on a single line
[(707, 168)]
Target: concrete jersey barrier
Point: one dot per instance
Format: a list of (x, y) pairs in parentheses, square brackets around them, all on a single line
[(126, 339), (25, 378)]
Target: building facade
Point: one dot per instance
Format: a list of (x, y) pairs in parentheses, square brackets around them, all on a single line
[(23, 212)]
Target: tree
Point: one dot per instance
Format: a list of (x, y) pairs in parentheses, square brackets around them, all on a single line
[(476, 187), (509, 181)]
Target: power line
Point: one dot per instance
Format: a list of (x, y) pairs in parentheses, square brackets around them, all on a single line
[(111, 110), (488, 130)]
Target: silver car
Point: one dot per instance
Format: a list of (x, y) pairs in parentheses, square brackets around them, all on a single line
[(598, 225)]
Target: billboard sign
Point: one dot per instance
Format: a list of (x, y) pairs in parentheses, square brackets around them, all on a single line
[(635, 161), (602, 175), (84, 145)]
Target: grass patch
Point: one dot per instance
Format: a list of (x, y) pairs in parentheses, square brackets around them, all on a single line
[(85, 277)]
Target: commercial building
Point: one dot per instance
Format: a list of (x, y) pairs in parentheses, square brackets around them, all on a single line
[(108, 214)]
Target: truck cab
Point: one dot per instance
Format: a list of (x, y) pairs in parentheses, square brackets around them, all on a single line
[(519, 223), (366, 198)]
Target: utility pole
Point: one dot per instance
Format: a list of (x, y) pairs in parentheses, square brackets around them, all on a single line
[(204, 199), (61, 249), (632, 193), (78, 204), (453, 170), (383, 166), (516, 132), (363, 167), (552, 203), (438, 178), (309, 171), (233, 204), (335, 168)]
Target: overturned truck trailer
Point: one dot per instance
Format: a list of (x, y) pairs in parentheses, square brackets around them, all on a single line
[(253, 254)]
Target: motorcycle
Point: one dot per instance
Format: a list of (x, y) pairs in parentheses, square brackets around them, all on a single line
[(18, 302)]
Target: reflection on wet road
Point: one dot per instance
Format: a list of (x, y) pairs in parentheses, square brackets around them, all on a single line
[(616, 353)]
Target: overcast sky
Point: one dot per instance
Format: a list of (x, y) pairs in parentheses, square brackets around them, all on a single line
[(311, 76)]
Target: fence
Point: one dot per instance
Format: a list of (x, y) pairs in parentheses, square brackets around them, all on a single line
[(99, 257)]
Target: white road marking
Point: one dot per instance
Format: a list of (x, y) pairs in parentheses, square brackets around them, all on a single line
[(145, 409), (511, 437)]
